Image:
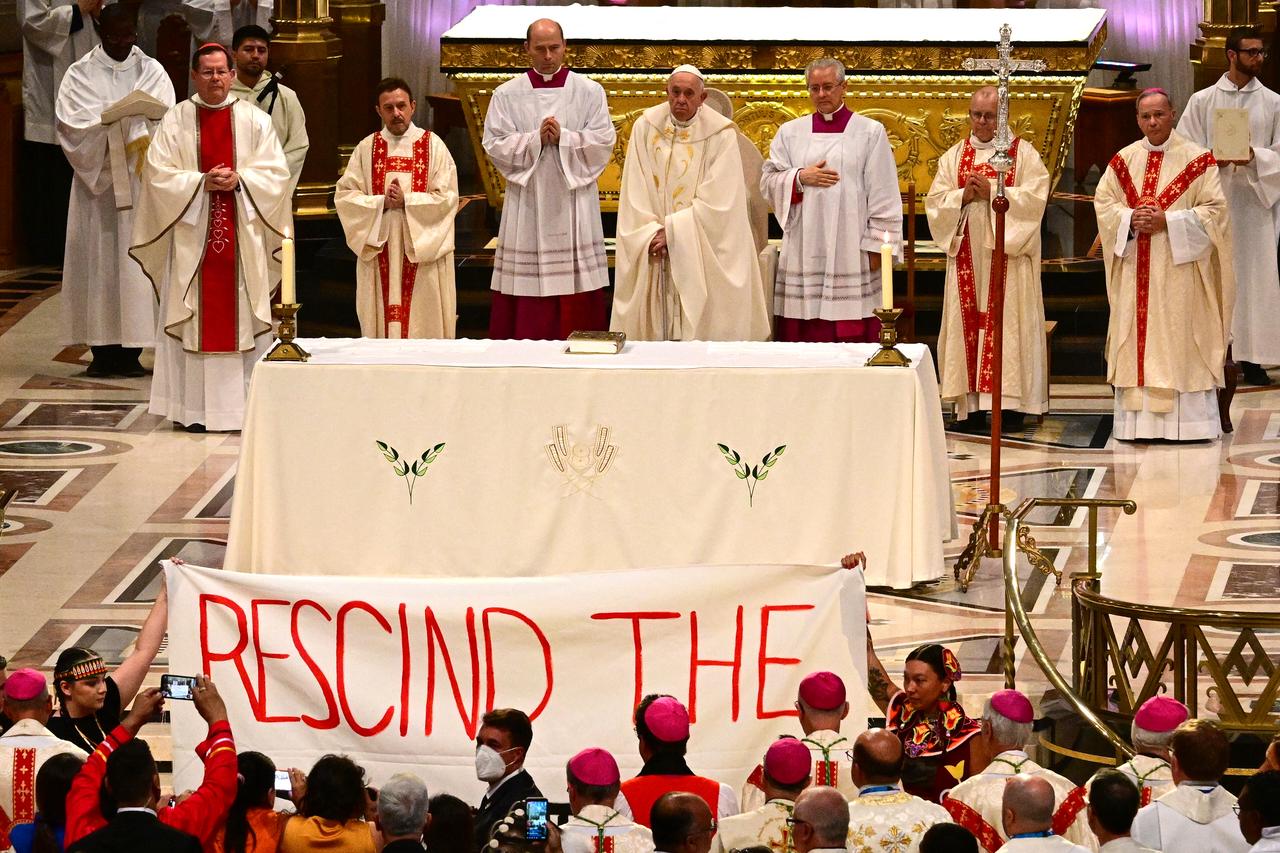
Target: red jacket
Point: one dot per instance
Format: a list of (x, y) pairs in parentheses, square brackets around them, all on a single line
[(200, 815)]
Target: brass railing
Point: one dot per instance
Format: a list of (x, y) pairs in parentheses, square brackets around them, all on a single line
[(1110, 677)]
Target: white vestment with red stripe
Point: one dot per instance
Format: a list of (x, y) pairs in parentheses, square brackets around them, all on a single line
[(830, 767), (404, 269), (24, 748), (966, 232), (600, 829), (1171, 293)]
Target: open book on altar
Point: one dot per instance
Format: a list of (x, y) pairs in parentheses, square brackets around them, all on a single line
[(1231, 134), (136, 103)]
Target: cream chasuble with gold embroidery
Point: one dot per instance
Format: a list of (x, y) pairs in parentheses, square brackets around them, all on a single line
[(764, 827), (886, 819)]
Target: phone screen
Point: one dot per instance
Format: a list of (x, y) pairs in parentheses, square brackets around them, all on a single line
[(536, 820), (178, 687), (283, 784)]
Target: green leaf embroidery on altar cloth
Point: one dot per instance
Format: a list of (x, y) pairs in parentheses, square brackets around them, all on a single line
[(753, 474), (411, 471)]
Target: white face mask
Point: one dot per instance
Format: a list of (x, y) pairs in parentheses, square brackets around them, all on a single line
[(489, 764)]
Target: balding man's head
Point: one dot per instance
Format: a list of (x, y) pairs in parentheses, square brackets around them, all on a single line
[(1027, 805), (544, 44), (983, 108), (877, 758), (821, 819), (681, 821)]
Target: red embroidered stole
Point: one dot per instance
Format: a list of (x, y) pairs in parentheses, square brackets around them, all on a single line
[(969, 817), (219, 329), (24, 794), (1148, 197), (971, 319), (602, 843), (1069, 811), (418, 166)]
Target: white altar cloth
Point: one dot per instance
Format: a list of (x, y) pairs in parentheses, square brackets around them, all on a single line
[(555, 463), (706, 24)]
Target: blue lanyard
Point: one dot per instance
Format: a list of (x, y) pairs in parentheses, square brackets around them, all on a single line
[(1044, 834), (877, 789)]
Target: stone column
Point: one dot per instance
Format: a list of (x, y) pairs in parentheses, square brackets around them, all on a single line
[(359, 24), (1208, 52), (308, 53)]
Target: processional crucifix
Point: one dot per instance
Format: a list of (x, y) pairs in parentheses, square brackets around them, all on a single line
[(985, 539)]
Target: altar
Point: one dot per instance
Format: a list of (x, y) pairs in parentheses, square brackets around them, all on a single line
[(514, 458), (905, 69)]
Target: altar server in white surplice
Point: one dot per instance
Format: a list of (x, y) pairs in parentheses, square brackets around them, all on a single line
[(962, 222), (107, 303), (1026, 812), (882, 816), (822, 704), (686, 265), (785, 773), (251, 48), (397, 202), (596, 826), (1162, 219), (1252, 188), (1199, 814), (549, 133), (213, 208), (833, 185)]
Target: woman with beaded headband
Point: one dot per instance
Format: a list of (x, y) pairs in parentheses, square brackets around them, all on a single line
[(936, 733), (90, 700)]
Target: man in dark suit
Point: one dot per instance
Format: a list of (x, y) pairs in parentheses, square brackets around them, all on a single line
[(134, 784), (501, 746), (402, 813)]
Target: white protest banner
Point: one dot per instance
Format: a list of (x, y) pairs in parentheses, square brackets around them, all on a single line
[(397, 672)]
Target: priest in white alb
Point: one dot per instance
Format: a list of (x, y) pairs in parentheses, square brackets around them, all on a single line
[(686, 266), (397, 201), (1162, 219), (594, 825), (549, 133), (1252, 188), (213, 208), (833, 185), (961, 221), (107, 303)]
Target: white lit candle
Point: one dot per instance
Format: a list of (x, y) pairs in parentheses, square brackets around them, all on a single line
[(886, 272), (288, 290)]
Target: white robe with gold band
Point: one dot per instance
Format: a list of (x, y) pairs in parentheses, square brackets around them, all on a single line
[(967, 233), (688, 180), (404, 269), (105, 297), (24, 748), (583, 832), (1171, 293), (890, 820), (765, 826), (830, 767), (170, 235)]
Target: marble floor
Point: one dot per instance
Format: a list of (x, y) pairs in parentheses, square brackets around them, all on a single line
[(105, 490)]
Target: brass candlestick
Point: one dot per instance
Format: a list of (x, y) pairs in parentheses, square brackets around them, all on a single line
[(888, 355), (286, 328)]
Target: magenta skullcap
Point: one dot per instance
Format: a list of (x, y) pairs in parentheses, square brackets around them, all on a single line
[(787, 761), (1161, 714), (667, 719), (25, 685), (1013, 705), (823, 691), (595, 766)]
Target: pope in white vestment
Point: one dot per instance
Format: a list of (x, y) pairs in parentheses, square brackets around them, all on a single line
[(976, 803), (213, 209), (1192, 818), (1253, 193), (397, 201), (833, 185), (962, 222), (686, 265), (1162, 219), (253, 83), (549, 133), (106, 300), (885, 817)]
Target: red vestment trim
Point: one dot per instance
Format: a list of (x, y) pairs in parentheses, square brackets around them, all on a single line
[(643, 791), (24, 794), (826, 773), (547, 318), (418, 165), (1144, 798), (219, 305), (970, 819), (1068, 811), (556, 82), (603, 844), (971, 318), (1148, 198)]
